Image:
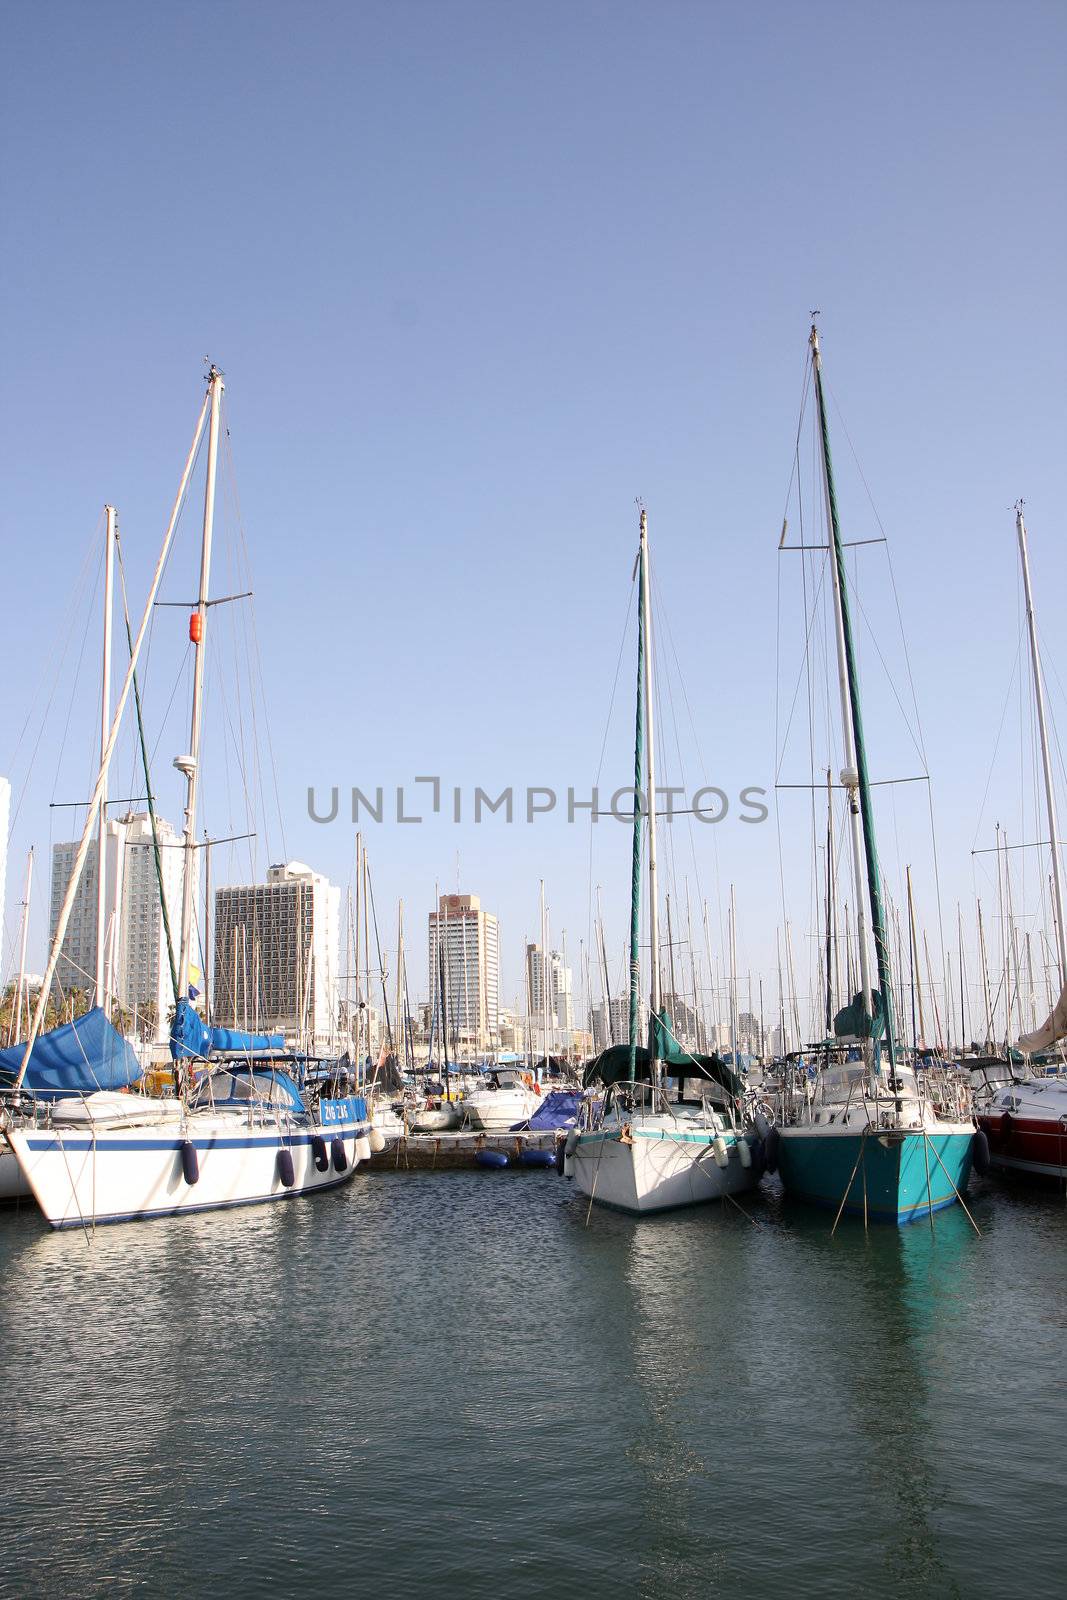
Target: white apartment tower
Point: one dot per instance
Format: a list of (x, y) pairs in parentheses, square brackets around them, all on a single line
[(560, 992), (136, 962), (470, 944), (276, 954)]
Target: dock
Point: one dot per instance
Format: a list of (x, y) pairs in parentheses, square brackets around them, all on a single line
[(424, 1152)]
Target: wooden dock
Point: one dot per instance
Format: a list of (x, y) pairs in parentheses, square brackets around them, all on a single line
[(424, 1152)]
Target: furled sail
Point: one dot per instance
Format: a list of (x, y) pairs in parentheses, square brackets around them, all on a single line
[(854, 1021), (191, 1038), (1055, 1028), (76, 1058)]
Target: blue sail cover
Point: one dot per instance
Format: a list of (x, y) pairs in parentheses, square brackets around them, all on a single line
[(76, 1058), (190, 1038), (557, 1110)]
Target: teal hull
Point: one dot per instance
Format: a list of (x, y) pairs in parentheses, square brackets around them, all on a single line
[(889, 1183)]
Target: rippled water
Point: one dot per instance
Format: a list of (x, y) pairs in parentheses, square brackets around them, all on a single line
[(446, 1384)]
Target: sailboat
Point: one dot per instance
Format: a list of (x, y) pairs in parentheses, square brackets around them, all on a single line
[(869, 1142), (1026, 1120), (643, 1151), (242, 1129)]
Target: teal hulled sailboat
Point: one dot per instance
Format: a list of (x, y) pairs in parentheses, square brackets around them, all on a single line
[(869, 1142)]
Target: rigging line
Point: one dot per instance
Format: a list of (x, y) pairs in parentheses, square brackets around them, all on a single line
[(604, 746), (147, 780), (916, 741), (808, 644), (889, 560), (92, 550), (704, 770), (179, 679), (676, 811), (89, 611), (232, 481), (996, 745)]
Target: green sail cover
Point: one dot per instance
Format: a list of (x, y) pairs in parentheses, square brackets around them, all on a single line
[(854, 1022), (614, 1064)]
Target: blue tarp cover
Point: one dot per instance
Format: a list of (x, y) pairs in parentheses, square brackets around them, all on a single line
[(190, 1036), (557, 1110), (76, 1058)]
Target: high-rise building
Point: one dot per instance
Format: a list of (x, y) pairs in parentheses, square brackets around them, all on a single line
[(276, 947), (470, 944), (619, 1031), (560, 984), (136, 960)]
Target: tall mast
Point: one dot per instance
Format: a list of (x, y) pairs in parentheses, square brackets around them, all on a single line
[(855, 776), (190, 764), (990, 1028), (101, 997), (650, 769), (609, 1027), (14, 1026), (92, 814), (733, 979), (964, 1041), (1046, 761), (544, 977)]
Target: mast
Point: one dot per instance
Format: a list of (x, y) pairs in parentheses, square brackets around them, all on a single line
[(916, 971), (855, 776), (829, 904), (610, 1026), (105, 728), (101, 780), (14, 1024), (670, 959), (650, 767), (964, 1042), (544, 976), (733, 980), (990, 1028), (1046, 760), (190, 764)]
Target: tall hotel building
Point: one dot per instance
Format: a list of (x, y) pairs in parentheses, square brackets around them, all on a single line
[(276, 954), (137, 966), (470, 944)]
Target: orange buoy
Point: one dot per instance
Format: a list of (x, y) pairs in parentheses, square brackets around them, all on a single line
[(196, 627)]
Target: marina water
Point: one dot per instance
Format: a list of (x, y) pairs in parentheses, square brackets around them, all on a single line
[(447, 1384)]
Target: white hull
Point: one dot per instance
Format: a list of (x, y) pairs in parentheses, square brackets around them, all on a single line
[(13, 1185), (660, 1169), (124, 1173), (435, 1121), (498, 1110)]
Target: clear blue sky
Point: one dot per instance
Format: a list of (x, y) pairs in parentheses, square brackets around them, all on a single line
[(479, 275)]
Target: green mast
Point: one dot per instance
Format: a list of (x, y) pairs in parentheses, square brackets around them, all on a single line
[(856, 781), (639, 779)]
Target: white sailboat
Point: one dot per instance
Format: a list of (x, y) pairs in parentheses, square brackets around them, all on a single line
[(243, 1130), (645, 1152)]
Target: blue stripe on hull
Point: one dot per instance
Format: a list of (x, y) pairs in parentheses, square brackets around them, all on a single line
[(817, 1167), (279, 1141)]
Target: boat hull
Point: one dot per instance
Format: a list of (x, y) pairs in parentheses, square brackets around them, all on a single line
[(1027, 1144), (124, 1174), (885, 1173), (498, 1111), (13, 1185), (655, 1171)]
